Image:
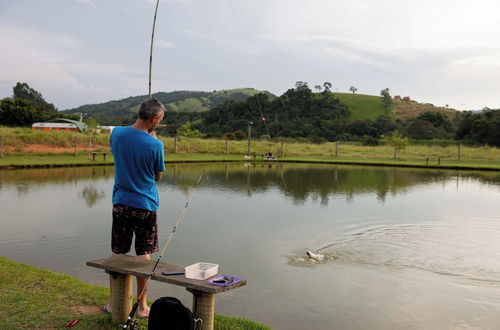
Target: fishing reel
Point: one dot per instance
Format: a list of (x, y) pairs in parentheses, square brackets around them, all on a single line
[(132, 325)]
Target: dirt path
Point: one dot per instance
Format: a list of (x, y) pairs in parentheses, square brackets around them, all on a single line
[(43, 148)]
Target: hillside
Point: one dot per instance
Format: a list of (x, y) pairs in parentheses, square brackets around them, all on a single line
[(120, 111), (406, 110), (370, 107), (362, 106)]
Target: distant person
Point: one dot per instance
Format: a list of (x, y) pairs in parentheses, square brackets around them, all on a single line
[(270, 155), (139, 163)]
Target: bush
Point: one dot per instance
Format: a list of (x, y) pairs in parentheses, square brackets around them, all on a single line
[(369, 141), (240, 135), (228, 136), (317, 139)]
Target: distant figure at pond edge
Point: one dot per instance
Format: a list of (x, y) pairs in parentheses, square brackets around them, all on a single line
[(139, 163)]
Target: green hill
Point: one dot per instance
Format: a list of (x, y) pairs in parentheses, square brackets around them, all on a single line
[(122, 111), (362, 106)]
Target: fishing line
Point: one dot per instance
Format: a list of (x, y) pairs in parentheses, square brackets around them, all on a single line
[(174, 229), (262, 117)]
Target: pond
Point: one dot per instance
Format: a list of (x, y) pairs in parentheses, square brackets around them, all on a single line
[(404, 248)]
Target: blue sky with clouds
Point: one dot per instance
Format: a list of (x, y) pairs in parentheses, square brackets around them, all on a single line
[(78, 52)]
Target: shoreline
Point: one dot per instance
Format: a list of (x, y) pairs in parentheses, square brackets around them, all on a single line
[(192, 158)]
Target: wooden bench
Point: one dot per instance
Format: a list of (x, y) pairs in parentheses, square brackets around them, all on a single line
[(93, 153), (122, 267), (438, 160)]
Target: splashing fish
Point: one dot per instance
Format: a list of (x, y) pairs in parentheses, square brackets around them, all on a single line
[(315, 256)]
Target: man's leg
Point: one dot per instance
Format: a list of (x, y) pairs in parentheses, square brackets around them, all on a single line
[(142, 307)]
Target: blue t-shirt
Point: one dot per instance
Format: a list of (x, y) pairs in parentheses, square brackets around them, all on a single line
[(138, 157)]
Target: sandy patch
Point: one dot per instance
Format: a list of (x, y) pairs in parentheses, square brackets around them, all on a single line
[(43, 148), (87, 310)]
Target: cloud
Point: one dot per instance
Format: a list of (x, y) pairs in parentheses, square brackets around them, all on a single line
[(51, 64), (90, 3), (163, 44)]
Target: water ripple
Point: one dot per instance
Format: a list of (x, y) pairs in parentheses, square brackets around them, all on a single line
[(462, 248)]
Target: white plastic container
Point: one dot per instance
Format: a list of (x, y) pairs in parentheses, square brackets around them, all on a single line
[(201, 270)]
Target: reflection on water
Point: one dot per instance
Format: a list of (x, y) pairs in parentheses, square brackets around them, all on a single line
[(403, 248), (92, 195)]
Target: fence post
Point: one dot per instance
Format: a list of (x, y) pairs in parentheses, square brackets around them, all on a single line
[(458, 156), (227, 147), (175, 144), (249, 136), (336, 148), (439, 160), (282, 150), (1, 146)]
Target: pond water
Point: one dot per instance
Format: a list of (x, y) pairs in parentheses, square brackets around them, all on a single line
[(404, 248)]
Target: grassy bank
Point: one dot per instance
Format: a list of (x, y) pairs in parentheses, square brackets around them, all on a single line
[(23, 147), (34, 298)]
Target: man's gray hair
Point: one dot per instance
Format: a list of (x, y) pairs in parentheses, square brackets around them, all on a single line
[(151, 108)]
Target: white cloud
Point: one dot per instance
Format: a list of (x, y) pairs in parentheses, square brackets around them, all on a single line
[(90, 3), (50, 63), (163, 44)]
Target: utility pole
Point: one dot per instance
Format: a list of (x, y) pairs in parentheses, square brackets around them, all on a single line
[(250, 123)]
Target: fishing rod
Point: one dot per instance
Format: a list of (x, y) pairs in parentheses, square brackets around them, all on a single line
[(151, 49), (129, 324)]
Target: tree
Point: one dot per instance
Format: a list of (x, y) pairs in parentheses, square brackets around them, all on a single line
[(397, 141), (437, 119), (24, 91), (353, 89), (327, 87), (186, 131), (386, 98), (318, 88), (91, 123), (17, 112)]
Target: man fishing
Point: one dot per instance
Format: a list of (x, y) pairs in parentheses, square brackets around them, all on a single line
[(139, 163)]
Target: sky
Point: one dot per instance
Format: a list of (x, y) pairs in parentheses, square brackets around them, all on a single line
[(76, 52)]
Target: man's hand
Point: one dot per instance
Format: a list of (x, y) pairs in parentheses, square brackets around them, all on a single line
[(153, 134), (158, 176)]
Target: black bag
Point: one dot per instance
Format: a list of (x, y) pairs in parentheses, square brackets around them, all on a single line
[(168, 313)]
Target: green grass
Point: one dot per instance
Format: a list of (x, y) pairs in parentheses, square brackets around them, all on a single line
[(21, 137), (194, 149), (191, 104), (362, 106), (34, 298)]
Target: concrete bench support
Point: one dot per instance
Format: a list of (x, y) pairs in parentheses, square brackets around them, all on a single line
[(204, 308), (121, 296)]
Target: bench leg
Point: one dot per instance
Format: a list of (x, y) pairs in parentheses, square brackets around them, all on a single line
[(121, 297), (204, 308)]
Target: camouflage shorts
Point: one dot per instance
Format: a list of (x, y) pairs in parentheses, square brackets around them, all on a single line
[(128, 221)]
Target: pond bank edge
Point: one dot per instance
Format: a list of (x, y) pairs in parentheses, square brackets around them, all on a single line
[(304, 161)]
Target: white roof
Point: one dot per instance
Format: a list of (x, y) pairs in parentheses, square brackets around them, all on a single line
[(57, 125)]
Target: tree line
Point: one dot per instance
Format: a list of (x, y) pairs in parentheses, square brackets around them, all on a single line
[(299, 113)]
